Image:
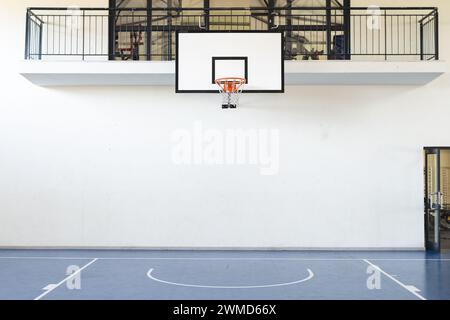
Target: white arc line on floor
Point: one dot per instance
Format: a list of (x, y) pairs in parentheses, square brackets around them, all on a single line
[(52, 287), (309, 277), (409, 288)]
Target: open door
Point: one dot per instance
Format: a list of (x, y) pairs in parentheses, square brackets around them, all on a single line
[(433, 199), (437, 198)]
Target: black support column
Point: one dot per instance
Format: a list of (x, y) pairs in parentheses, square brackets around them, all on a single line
[(436, 35), (270, 14), (112, 29), (149, 29), (347, 29), (328, 14), (422, 56), (288, 39), (206, 6), (169, 34)]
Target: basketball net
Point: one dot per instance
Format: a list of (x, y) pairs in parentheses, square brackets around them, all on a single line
[(230, 89)]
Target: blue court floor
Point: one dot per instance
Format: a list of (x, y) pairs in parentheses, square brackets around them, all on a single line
[(210, 275)]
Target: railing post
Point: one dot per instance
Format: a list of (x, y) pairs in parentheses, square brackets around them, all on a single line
[(41, 28), (436, 35), (385, 36), (27, 35), (83, 35)]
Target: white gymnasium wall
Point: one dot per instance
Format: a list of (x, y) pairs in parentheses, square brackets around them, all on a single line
[(92, 166)]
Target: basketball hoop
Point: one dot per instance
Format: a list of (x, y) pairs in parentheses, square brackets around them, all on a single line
[(230, 89)]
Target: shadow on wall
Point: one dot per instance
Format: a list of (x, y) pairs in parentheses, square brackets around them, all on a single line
[(303, 97)]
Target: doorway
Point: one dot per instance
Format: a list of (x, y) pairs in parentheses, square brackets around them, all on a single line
[(437, 198)]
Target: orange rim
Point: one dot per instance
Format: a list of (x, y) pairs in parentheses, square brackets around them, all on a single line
[(230, 84)]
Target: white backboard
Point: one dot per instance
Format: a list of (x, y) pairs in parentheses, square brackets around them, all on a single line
[(203, 57)]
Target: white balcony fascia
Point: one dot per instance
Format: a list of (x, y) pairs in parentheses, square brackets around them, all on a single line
[(363, 72), (156, 73), (105, 73)]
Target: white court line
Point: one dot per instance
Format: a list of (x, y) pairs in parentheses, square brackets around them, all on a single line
[(309, 277), (53, 287), (49, 258), (220, 259), (409, 288)]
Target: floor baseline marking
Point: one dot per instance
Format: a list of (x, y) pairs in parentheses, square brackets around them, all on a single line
[(64, 280), (309, 277), (220, 259), (409, 288)]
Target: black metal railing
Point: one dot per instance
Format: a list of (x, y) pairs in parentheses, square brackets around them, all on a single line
[(316, 33)]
